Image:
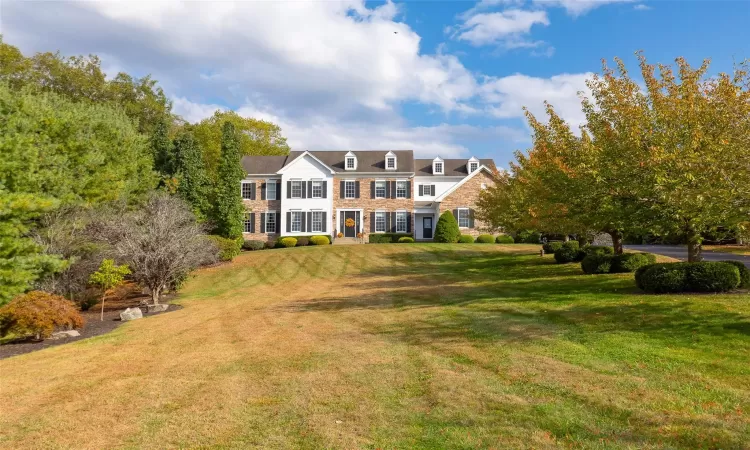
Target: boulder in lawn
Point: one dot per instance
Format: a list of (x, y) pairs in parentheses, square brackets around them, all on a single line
[(131, 314), (157, 308), (64, 334)]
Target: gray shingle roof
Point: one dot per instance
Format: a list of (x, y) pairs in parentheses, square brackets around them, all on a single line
[(453, 167)]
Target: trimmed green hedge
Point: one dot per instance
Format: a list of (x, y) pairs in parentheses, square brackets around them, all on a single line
[(504, 239), (387, 238), (252, 244), (569, 252), (596, 264), (485, 239), (744, 273), (599, 250), (630, 262), (319, 240), (707, 276), (446, 228), (552, 246), (465, 239), (303, 241), (228, 248), (405, 240), (288, 242)]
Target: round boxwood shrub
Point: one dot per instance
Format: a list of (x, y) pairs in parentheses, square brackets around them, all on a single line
[(228, 248), (465, 239), (303, 241), (319, 240), (707, 276), (288, 242), (505, 239), (405, 240), (569, 252), (252, 244), (446, 229), (527, 237), (485, 239), (744, 273), (599, 250), (596, 264), (552, 246), (630, 262)]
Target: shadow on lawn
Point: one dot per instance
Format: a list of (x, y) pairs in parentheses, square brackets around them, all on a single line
[(503, 297)]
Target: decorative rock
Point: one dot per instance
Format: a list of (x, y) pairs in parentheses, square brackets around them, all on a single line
[(131, 314), (64, 334), (157, 308)]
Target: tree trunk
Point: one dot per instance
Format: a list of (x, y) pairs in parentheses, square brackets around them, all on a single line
[(566, 238), (155, 293), (103, 295), (616, 241), (694, 245)]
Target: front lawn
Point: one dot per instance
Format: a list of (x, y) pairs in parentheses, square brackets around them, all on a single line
[(735, 249), (397, 346)]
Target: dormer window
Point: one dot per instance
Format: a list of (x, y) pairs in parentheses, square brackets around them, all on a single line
[(390, 161), (473, 165), (350, 161), (437, 166)]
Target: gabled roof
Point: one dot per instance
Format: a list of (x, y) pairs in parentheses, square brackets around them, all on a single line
[(300, 157), (451, 167), (367, 160), (481, 168)]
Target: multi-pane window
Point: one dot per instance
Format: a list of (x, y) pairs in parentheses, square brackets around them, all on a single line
[(270, 222), (401, 189), (248, 223), (380, 189), (428, 189), (296, 221), (350, 189), (296, 189), (390, 163), (473, 166), (400, 222), (317, 189), (380, 222), (463, 218), (317, 221), (247, 190), (438, 167), (271, 190), (350, 162)]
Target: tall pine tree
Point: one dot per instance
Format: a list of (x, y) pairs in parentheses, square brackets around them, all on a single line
[(193, 183), (229, 211)]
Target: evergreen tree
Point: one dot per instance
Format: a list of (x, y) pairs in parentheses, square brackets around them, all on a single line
[(162, 149), (229, 211), (193, 183), (446, 229)]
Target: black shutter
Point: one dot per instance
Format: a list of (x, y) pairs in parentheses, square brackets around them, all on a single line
[(393, 222), (323, 222), (372, 222), (421, 189), (471, 218), (288, 222), (262, 191), (408, 222), (356, 189), (387, 189), (393, 189), (288, 189), (309, 189), (278, 223), (278, 191), (408, 189), (325, 189), (342, 187), (262, 222), (309, 222), (252, 222), (372, 189), (432, 190), (455, 214), (304, 189)]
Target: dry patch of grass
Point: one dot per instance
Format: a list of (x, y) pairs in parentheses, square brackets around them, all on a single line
[(735, 249), (397, 346)]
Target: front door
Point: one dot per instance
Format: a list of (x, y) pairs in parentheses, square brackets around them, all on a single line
[(427, 227), (350, 218)]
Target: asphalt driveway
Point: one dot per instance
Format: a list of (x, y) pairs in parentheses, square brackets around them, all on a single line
[(680, 252)]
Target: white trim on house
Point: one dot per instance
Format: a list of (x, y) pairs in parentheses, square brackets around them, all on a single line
[(347, 157), (276, 225), (438, 160), (385, 188), (470, 162), (481, 168), (242, 189), (468, 217), (391, 155), (275, 188), (343, 210), (300, 157)]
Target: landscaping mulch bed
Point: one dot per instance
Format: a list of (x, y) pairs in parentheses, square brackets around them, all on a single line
[(129, 297)]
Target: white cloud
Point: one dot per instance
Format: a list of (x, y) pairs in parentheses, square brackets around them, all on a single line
[(508, 27), (577, 7), (193, 112), (641, 7)]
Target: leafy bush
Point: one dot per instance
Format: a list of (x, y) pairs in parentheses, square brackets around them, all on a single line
[(387, 238), (707, 276), (599, 250), (466, 239), (228, 248), (446, 229), (597, 263), (527, 237), (252, 244), (485, 239), (569, 252), (504, 239), (405, 240), (552, 246), (630, 262), (319, 240), (288, 242), (303, 241), (744, 273), (37, 314)]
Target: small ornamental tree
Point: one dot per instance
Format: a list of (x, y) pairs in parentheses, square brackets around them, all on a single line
[(108, 277), (446, 229), (229, 212), (37, 314)]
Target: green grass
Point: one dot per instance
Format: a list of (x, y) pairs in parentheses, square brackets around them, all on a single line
[(398, 346)]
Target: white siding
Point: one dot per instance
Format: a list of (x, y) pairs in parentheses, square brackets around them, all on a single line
[(442, 184), (306, 169)]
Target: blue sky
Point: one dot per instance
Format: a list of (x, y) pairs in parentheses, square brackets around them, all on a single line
[(447, 78)]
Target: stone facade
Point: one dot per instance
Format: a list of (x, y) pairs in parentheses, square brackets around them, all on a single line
[(257, 207), (466, 196), (367, 204)]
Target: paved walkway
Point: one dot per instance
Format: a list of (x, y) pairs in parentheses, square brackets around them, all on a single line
[(680, 252)]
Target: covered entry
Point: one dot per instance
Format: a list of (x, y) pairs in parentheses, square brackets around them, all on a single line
[(349, 222), (424, 221)]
